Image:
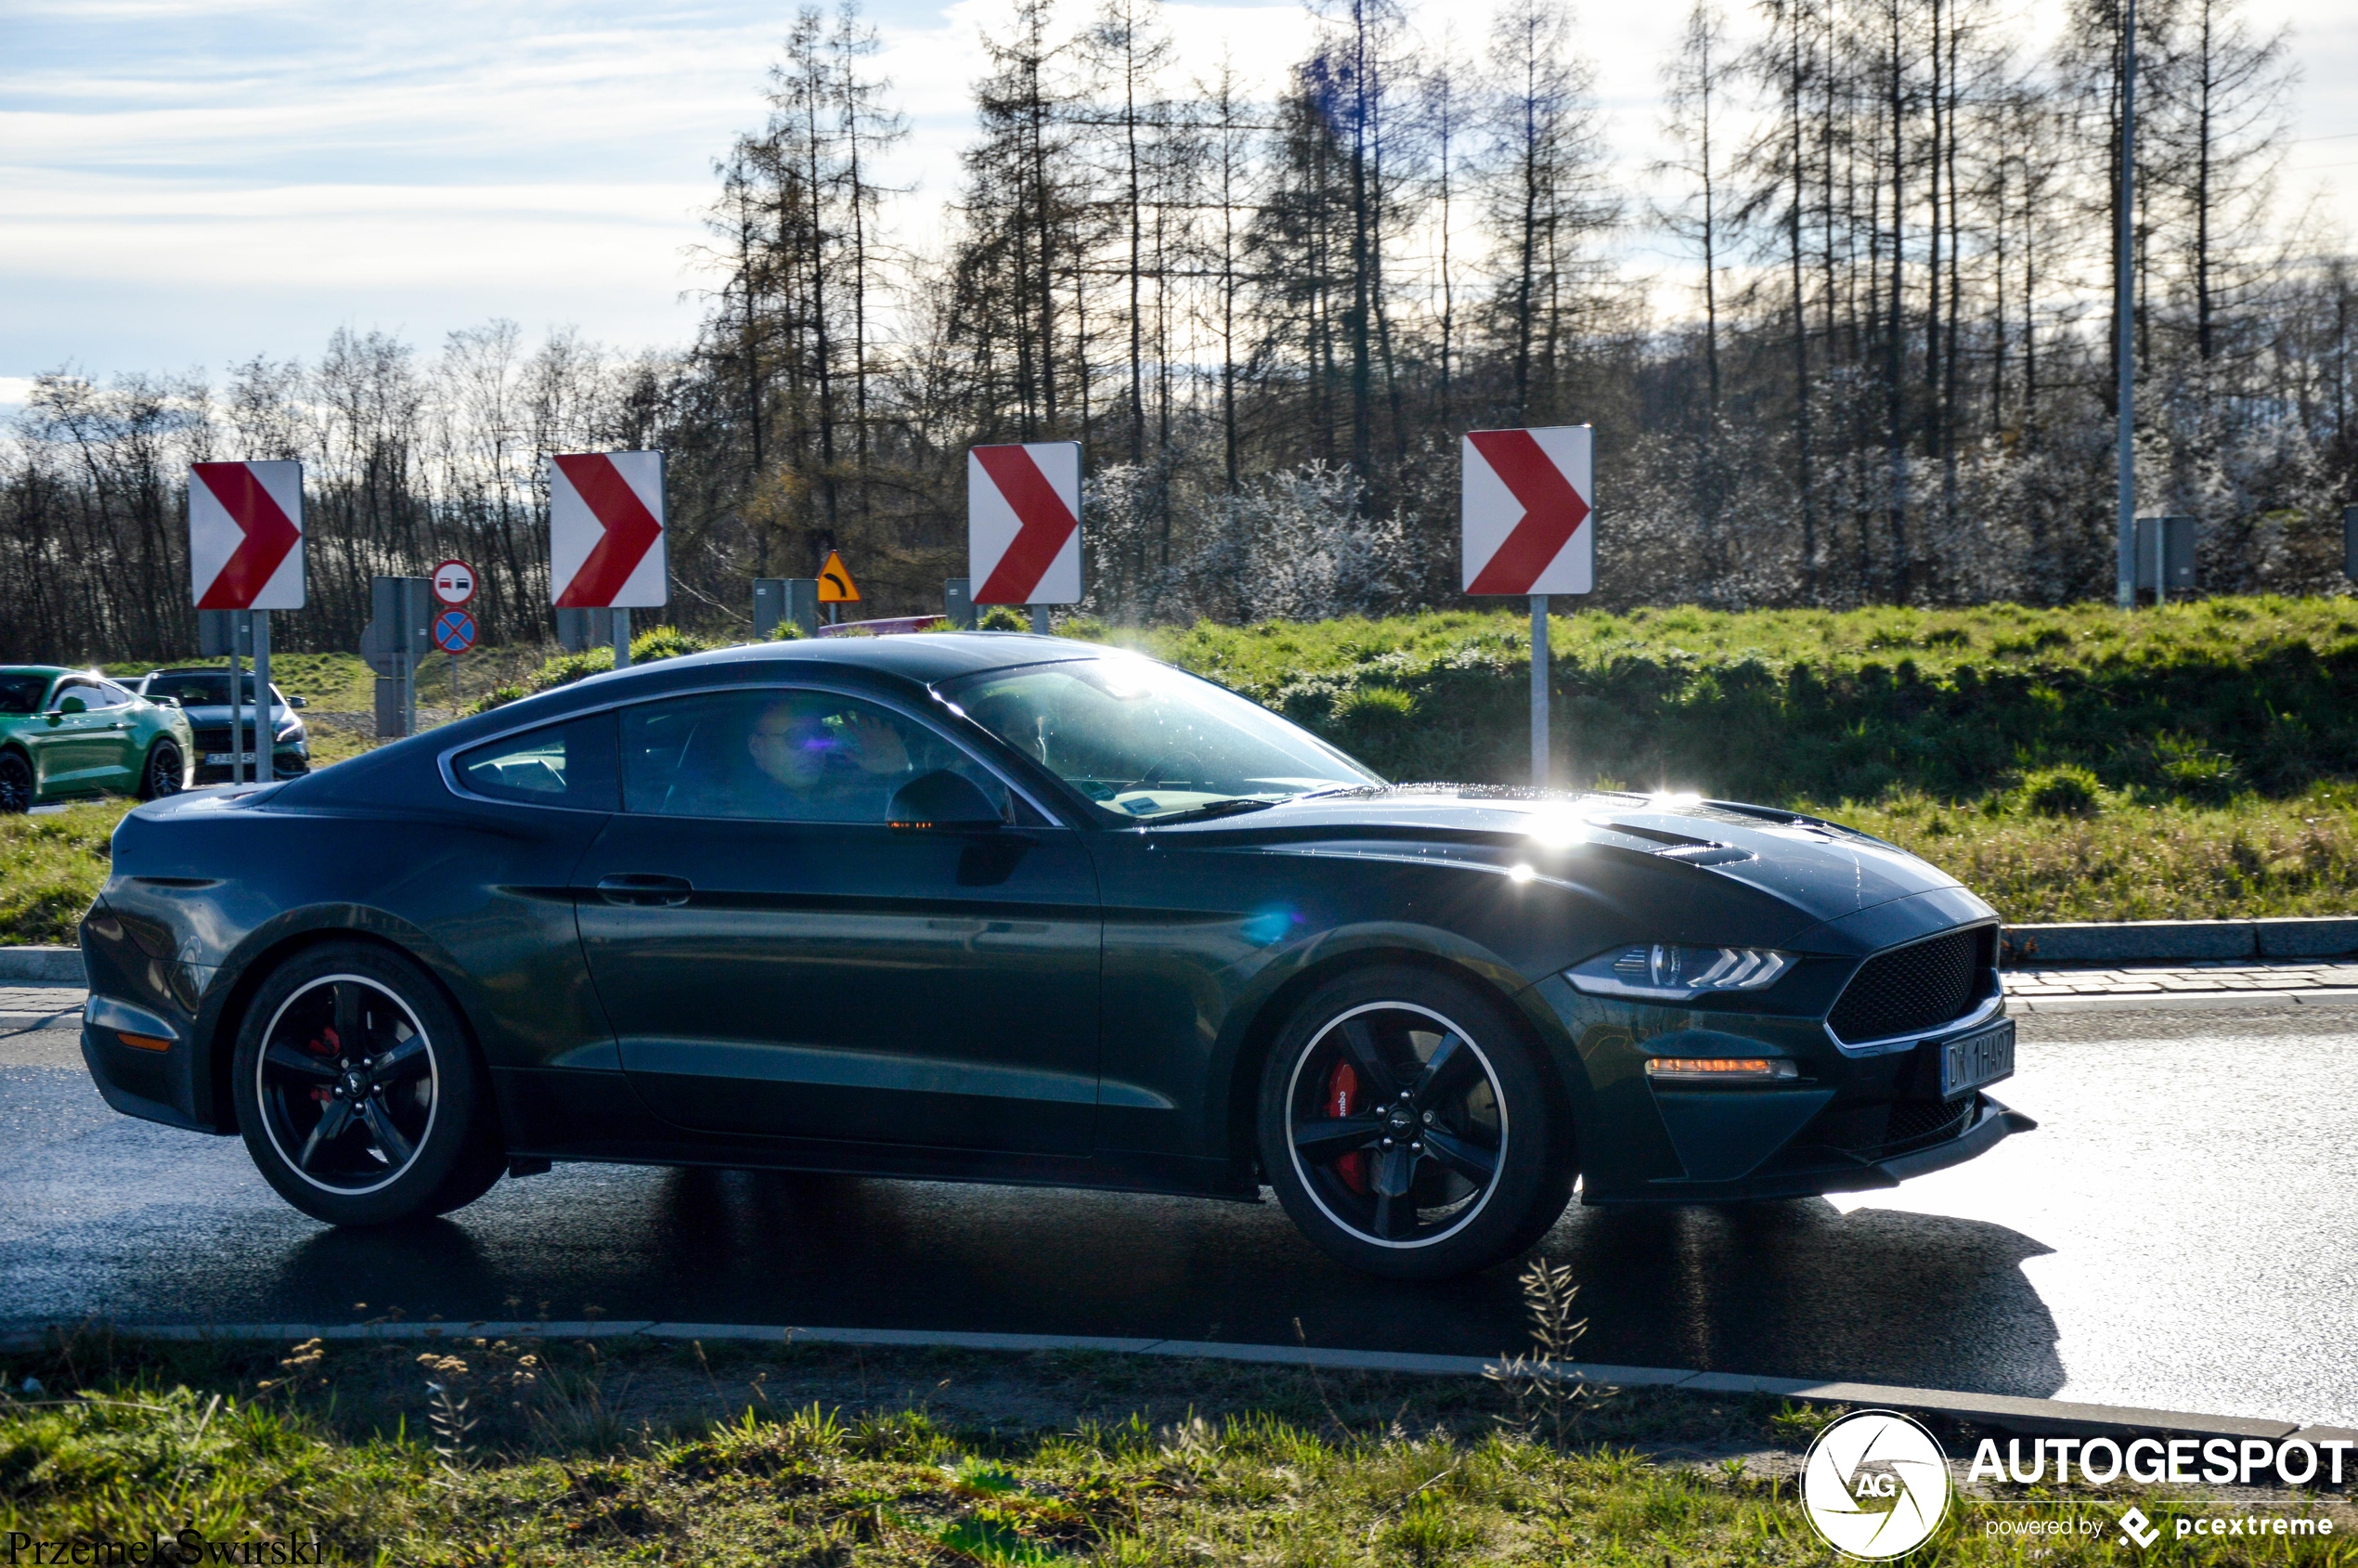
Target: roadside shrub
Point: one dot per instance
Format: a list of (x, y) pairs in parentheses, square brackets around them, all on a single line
[(662, 642), (499, 696), (2194, 771), (2062, 792), (785, 631), (1003, 617)]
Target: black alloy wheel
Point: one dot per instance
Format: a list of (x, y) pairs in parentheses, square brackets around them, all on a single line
[(164, 773), (15, 783), (359, 1094), (1406, 1127)]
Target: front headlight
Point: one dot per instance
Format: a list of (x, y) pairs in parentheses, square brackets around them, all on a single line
[(290, 732), (1666, 972)]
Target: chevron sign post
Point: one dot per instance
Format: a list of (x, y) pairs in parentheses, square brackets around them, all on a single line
[(245, 535), (606, 537), (245, 555), (1527, 529), (1023, 526)]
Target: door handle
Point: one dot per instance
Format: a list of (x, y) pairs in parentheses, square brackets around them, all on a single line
[(628, 888)]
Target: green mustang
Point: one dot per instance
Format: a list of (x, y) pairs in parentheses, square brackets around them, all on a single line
[(69, 733)]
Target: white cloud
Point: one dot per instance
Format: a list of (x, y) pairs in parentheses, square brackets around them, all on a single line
[(191, 182)]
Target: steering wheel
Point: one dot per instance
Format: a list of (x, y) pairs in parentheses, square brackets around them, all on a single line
[(1171, 761)]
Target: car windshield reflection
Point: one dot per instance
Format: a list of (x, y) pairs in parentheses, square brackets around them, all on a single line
[(1148, 742)]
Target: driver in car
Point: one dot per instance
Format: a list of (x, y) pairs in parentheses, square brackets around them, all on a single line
[(835, 763)]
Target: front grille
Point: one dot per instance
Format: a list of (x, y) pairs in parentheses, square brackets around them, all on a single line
[(1914, 987)]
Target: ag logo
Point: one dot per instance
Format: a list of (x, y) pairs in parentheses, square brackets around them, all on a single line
[(1875, 1484)]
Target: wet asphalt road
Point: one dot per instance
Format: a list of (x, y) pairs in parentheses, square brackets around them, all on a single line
[(2179, 1234)]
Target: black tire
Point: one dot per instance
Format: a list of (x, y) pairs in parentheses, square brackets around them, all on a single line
[(165, 773), (359, 1096), (15, 783), (1431, 1088)]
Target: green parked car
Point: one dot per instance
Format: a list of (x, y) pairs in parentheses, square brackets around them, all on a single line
[(69, 732)]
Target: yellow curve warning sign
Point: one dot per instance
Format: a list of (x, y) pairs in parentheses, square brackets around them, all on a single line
[(835, 586)]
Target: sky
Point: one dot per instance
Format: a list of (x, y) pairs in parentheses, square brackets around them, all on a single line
[(184, 186)]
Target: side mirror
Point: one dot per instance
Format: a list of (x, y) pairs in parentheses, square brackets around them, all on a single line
[(161, 701), (73, 705), (943, 798), (298, 702)]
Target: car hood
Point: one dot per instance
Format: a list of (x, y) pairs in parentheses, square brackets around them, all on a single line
[(1820, 869), (218, 713)]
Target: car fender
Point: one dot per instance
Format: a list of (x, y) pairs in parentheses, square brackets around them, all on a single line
[(249, 964), (1260, 1009)]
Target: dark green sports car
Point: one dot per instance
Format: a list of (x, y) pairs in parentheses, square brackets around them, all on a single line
[(70, 734), (1004, 908)]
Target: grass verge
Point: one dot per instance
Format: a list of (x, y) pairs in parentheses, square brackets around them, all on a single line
[(469, 1451)]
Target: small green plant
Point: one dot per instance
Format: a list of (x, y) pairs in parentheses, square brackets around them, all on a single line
[(1547, 1390), (453, 1425), (499, 696), (1430, 1532), (785, 631), (2192, 770), (1003, 617), (1800, 1424), (2062, 792), (663, 643)]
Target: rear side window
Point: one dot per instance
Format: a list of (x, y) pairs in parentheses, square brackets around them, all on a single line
[(570, 764)]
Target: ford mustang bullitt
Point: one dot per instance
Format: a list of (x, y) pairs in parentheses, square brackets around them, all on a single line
[(1004, 908)]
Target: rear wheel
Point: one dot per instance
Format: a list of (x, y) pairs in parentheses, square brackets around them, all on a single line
[(163, 772), (359, 1096), (15, 783), (1408, 1128)]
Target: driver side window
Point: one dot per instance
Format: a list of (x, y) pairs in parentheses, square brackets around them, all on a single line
[(74, 695), (781, 755)]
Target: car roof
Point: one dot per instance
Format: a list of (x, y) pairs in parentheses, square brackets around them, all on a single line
[(926, 657), (51, 670)]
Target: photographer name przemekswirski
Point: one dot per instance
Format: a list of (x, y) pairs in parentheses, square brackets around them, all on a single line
[(188, 1548)]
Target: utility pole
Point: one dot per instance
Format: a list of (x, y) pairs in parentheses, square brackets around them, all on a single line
[(2122, 307)]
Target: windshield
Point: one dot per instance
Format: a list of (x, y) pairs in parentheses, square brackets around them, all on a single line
[(197, 688), (21, 694), (1146, 740)]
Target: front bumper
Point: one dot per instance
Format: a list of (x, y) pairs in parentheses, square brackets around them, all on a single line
[(1986, 1123), (1847, 1121), (289, 760)]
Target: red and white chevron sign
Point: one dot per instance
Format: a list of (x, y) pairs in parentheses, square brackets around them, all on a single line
[(1524, 511), (606, 531), (245, 535), (1023, 523)]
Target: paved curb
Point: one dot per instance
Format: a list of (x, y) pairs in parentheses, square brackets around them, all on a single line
[(2193, 1001), (2154, 941), (2003, 1412), (42, 965)]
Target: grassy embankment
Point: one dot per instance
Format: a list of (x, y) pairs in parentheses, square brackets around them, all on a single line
[(2201, 762), (2069, 764), (813, 1455)]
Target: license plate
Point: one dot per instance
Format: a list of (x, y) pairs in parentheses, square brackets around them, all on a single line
[(225, 758), (1977, 1059)]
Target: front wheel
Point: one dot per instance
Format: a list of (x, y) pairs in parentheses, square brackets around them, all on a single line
[(359, 1096), (15, 783), (164, 773), (1408, 1129)]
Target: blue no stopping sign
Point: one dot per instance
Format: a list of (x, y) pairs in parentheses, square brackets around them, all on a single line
[(454, 631)]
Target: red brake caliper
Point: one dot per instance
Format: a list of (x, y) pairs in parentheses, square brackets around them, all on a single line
[(1342, 1099), (327, 1047)]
